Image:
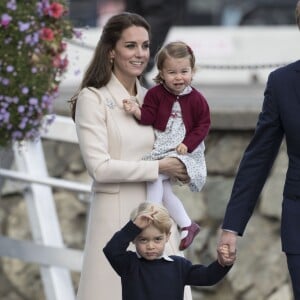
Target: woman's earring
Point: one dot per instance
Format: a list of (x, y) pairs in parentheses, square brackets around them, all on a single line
[(112, 60)]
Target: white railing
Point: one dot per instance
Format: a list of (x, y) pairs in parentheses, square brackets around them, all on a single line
[(47, 247)]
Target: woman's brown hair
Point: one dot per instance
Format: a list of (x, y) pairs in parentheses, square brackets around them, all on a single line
[(99, 70)]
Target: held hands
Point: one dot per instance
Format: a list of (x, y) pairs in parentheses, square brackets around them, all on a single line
[(227, 248), (182, 149), (144, 219)]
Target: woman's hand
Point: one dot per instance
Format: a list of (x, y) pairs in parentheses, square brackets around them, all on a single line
[(174, 168)]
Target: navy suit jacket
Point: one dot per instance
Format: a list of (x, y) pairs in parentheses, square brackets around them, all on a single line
[(279, 118)]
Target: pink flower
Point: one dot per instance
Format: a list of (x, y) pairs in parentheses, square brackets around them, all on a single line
[(63, 46), (5, 20), (56, 61), (47, 34), (56, 10), (60, 63)]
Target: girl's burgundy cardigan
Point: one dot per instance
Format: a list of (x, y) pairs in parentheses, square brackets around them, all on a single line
[(157, 108)]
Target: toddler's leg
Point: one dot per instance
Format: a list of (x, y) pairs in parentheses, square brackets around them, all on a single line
[(177, 211), (155, 189), (175, 206)]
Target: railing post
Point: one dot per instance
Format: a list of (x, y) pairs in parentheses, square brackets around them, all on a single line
[(44, 223)]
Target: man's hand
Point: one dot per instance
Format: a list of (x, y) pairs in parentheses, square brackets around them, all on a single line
[(227, 248)]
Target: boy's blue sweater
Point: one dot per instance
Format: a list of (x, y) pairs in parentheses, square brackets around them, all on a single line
[(156, 279)]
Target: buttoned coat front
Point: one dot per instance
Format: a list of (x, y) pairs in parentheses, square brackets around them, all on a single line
[(112, 144)]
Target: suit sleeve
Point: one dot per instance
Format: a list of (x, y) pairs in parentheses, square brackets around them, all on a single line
[(256, 163), (93, 137)]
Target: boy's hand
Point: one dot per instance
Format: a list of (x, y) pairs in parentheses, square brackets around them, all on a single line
[(224, 251), (224, 257), (182, 149), (143, 220)]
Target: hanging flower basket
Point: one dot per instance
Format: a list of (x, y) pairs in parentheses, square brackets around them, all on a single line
[(32, 62)]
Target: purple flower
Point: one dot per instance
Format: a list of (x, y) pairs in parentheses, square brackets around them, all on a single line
[(36, 37), (77, 33), (4, 116), (10, 68), (77, 72), (32, 39), (5, 20), (11, 5), (7, 40), (23, 26), (5, 81), (21, 109), (25, 90), (50, 119), (17, 135), (33, 101), (23, 123)]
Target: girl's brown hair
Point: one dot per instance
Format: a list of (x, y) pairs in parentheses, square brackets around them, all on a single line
[(175, 50), (99, 70)]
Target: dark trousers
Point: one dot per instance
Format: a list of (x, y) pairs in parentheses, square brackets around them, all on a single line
[(293, 261)]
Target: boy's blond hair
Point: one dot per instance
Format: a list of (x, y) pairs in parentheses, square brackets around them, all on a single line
[(161, 220)]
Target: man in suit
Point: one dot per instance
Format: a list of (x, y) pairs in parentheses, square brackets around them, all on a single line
[(279, 118)]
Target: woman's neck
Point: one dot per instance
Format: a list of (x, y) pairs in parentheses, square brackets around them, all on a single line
[(129, 84)]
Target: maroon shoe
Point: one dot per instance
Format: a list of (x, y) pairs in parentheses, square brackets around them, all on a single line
[(193, 230)]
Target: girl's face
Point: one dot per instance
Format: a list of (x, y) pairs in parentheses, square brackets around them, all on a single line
[(150, 243), (131, 53), (177, 74)]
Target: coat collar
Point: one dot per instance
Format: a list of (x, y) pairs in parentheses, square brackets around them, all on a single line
[(118, 91)]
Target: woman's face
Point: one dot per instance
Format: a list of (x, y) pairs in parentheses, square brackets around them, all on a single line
[(131, 53)]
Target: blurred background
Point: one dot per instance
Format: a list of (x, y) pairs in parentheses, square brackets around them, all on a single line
[(236, 44), (195, 12)]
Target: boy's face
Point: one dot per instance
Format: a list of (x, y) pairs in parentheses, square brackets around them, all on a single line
[(150, 243)]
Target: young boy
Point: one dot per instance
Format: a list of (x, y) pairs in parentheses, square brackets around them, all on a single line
[(148, 273)]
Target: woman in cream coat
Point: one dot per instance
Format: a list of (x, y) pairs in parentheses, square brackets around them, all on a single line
[(112, 144)]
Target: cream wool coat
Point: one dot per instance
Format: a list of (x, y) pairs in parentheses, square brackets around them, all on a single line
[(112, 144)]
